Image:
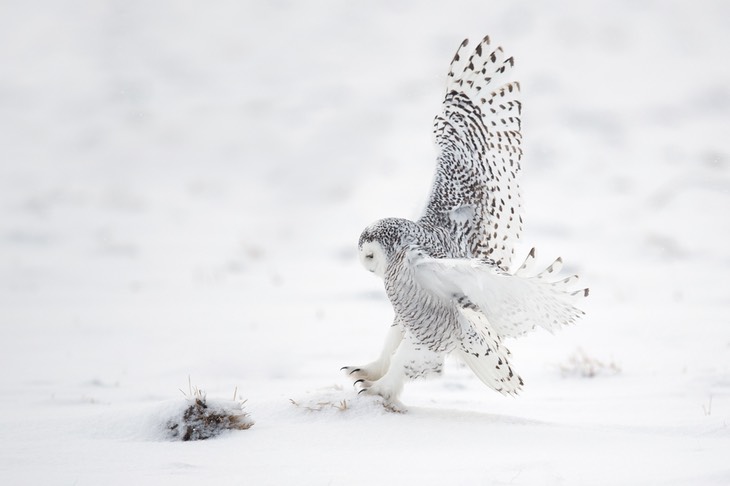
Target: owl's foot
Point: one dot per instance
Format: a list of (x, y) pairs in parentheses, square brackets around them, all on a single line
[(390, 401), (362, 386), (375, 370), (355, 372), (372, 371)]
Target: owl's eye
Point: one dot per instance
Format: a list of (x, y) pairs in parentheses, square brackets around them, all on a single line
[(369, 256)]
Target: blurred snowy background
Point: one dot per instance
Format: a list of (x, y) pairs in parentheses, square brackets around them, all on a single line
[(182, 186)]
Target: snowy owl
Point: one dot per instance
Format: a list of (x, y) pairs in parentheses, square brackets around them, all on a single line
[(448, 275)]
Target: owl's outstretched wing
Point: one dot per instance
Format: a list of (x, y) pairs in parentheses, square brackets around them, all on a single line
[(475, 195), (512, 304)]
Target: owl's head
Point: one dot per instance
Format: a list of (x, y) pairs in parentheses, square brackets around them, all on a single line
[(379, 242)]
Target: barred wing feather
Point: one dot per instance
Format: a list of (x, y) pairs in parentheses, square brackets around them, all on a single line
[(475, 195)]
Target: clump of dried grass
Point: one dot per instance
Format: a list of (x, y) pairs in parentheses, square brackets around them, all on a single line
[(340, 405), (203, 418), (582, 365)]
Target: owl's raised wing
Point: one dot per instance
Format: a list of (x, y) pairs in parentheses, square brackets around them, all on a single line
[(475, 195)]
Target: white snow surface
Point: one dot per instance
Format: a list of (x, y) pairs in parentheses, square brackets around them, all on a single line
[(182, 187)]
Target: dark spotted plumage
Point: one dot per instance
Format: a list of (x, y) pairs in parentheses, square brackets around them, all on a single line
[(475, 195), (447, 274)]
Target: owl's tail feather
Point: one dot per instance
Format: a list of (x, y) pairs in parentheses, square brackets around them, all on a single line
[(482, 350), (488, 373)]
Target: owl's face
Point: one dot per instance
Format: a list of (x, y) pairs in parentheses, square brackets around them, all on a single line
[(373, 258), (379, 241)]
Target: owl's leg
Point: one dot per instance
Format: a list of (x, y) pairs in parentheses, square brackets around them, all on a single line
[(411, 360), (375, 370)]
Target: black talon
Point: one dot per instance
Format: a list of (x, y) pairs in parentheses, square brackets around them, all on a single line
[(356, 369), (358, 381), (343, 368), (364, 389)]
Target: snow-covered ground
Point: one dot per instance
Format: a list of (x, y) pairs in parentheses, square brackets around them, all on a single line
[(182, 187)]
